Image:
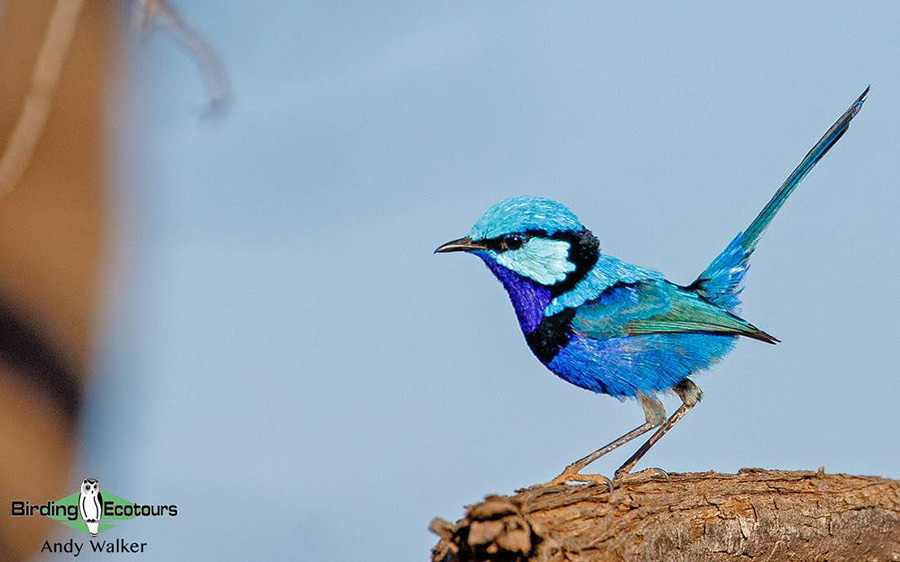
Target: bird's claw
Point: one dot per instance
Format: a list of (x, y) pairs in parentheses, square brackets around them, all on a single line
[(660, 473), (567, 476), (644, 475)]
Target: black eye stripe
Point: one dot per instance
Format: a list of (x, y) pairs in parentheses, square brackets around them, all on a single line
[(495, 244), (501, 243)]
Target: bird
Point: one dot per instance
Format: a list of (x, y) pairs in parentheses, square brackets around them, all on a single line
[(616, 328), (90, 504)]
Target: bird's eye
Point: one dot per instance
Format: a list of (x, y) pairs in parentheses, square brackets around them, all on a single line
[(513, 241)]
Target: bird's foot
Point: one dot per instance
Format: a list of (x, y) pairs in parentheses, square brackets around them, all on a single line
[(642, 476), (575, 476)]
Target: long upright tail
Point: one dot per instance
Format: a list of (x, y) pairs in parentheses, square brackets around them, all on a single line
[(720, 283)]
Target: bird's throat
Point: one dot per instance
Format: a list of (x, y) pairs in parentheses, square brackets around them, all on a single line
[(528, 297)]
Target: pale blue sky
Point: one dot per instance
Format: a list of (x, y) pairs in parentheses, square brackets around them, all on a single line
[(287, 360)]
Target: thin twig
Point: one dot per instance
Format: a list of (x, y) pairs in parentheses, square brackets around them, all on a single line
[(194, 44)]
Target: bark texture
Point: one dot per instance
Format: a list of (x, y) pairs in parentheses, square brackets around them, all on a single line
[(752, 515)]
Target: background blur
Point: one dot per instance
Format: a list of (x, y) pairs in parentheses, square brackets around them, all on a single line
[(283, 357)]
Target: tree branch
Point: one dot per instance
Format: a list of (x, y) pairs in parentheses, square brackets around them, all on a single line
[(752, 515)]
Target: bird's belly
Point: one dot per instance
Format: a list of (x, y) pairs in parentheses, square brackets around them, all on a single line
[(624, 366)]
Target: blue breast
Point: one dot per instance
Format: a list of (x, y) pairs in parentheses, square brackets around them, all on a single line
[(624, 366)]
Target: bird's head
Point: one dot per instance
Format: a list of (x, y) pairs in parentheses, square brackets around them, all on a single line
[(537, 239)]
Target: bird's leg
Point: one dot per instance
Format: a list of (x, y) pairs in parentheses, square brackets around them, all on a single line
[(690, 395), (654, 414)]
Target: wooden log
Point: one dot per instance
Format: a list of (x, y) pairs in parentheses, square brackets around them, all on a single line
[(756, 514)]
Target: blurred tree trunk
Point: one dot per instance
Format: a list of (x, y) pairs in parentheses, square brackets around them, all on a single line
[(52, 234), (753, 515)]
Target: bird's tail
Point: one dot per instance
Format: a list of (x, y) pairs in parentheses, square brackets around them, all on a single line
[(720, 283)]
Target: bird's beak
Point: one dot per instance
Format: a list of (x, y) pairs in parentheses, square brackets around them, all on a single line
[(465, 244)]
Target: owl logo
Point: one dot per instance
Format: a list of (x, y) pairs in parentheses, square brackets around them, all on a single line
[(90, 504)]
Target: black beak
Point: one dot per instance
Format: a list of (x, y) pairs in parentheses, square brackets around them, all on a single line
[(460, 245)]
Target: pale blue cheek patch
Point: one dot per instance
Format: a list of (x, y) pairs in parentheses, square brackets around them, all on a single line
[(544, 261)]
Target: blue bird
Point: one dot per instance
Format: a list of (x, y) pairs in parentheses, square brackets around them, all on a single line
[(615, 328)]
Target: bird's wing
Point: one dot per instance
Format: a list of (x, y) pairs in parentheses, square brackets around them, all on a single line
[(657, 307), (99, 506)]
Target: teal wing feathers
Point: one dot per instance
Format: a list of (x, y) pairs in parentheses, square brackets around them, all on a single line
[(657, 307)]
